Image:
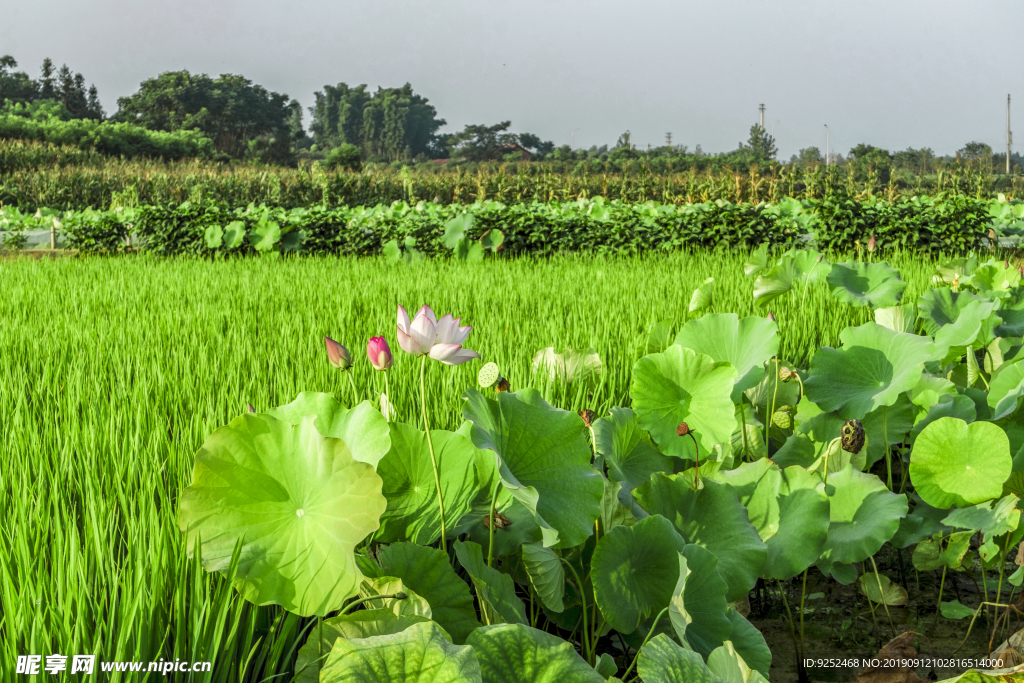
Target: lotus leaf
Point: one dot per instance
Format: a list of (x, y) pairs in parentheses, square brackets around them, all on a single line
[(419, 654), (727, 664), (994, 518), (467, 475), (627, 450), (547, 576), (874, 366), (863, 513), (942, 551), (697, 609), (543, 461), (866, 284), (712, 518), (749, 643), (897, 318), (298, 503), (569, 366), (958, 464), (495, 588), (681, 385), (1006, 393), (793, 268), (702, 296), (514, 653), (661, 660), (880, 590), (361, 426), (745, 343)]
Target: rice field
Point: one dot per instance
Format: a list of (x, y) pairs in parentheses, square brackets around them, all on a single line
[(113, 372)]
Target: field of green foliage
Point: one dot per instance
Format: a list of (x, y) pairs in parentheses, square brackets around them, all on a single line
[(646, 447)]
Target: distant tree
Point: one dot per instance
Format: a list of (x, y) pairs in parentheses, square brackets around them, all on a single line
[(808, 156), (345, 156), (480, 142), (535, 145), (919, 161), (241, 118), (977, 153), (47, 89), (95, 108), (16, 86), (761, 144)]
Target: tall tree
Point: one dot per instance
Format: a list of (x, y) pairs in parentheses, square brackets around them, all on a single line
[(230, 110), (16, 86), (480, 142), (761, 144), (47, 89)]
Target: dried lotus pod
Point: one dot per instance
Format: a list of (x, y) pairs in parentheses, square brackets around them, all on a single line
[(852, 433), (587, 416), (500, 521)]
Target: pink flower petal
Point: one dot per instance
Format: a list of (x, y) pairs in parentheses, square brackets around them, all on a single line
[(442, 352), (463, 332), (422, 330), (407, 343), (403, 320), (426, 310), (461, 357), (446, 330)]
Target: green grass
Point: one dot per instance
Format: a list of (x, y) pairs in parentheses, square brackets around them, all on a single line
[(113, 372)]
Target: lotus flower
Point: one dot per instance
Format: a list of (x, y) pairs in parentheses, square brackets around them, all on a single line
[(440, 339), (380, 353), (338, 355)]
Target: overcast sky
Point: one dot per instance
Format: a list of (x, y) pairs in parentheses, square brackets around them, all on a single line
[(893, 73)]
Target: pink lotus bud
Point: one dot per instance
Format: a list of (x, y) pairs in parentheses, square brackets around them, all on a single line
[(770, 316), (380, 353), (871, 245), (251, 407), (337, 354)]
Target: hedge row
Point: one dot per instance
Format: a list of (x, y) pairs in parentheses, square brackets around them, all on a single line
[(939, 224)]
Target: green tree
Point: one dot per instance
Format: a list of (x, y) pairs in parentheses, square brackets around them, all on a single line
[(47, 89), (536, 145), (808, 156), (761, 144), (241, 118), (976, 153), (16, 86), (480, 142)]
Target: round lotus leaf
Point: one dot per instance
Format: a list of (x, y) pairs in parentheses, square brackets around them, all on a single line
[(681, 385), (866, 284), (702, 296), (362, 427), (298, 503), (713, 518), (488, 375), (515, 653), (466, 473), (543, 461), (698, 610), (863, 515), (418, 654), (634, 570), (874, 366), (789, 509), (958, 464), (627, 450), (880, 590), (1006, 395), (744, 343)]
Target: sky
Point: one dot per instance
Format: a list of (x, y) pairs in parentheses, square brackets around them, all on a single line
[(893, 73)]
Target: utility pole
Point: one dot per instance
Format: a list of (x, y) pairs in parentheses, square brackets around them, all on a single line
[(761, 109), (1009, 135), (668, 139), (826, 145)]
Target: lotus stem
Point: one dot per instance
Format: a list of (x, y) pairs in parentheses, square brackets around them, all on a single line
[(490, 525), (583, 596), (881, 594), (355, 394), (696, 469), (743, 428), (768, 421), (387, 392), (938, 603), (649, 634), (798, 645), (430, 446), (354, 603), (885, 445)]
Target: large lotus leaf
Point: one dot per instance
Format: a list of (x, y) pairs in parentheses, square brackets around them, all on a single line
[(547, 576), (568, 366), (298, 502), (710, 517), (874, 366), (749, 643), (1006, 393), (627, 451), (419, 654), (428, 572), (662, 660), (756, 262), (956, 270), (863, 513), (880, 590), (702, 296), (940, 307), (1011, 312), (697, 609), (958, 464), (789, 509), (660, 337), (214, 237), (994, 276), (613, 512), (994, 518), (974, 327), (745, 344), (495, 588), (466, 474), (362, 624), (866, 284), (893, 421), (456, 228), (796, 267), (771, 392), (942, 551), (634, 569), (514, 653), (363, 428), (265, 235), (543, 460), (897, 318), (681, 385)]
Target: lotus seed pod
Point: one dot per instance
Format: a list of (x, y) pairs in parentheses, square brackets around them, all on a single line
[(785, 374), (852, 433), (587, 416), (500, 521), (488, 375), (782, 419), (683, 429), (502, 385)]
